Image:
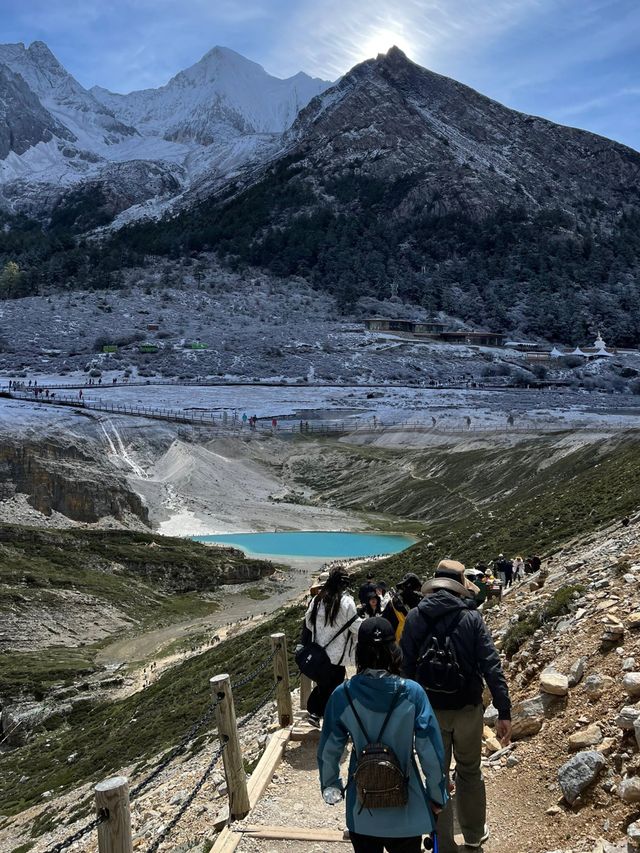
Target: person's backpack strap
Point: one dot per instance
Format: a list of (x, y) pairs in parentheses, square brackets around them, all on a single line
[(452, 627), (367, 739), (344, 628), (394, 702)]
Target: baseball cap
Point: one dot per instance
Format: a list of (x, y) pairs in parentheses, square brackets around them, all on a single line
[(376, 630)]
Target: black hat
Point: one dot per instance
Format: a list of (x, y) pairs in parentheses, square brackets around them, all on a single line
[(337, 580), (410, 581), (376, 630), (381, 585), (366, 591)]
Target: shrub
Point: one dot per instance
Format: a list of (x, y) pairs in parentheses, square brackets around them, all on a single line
[(558, 605)]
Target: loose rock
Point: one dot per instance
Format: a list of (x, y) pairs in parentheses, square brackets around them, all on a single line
[(577, 774)]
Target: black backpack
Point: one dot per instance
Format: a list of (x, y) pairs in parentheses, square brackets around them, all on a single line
[(380, 781), (437, 667)]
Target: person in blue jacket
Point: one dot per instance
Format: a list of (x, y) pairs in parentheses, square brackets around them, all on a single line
[(411, 730)]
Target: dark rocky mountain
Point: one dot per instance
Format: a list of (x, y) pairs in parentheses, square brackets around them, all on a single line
[(390, 118), (24, 122), (398, 181)]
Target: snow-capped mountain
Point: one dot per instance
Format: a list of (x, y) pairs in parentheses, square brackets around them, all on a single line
[(220, 97), (208, 120)]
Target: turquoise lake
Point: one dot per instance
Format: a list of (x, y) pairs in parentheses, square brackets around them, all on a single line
[(317, 544)]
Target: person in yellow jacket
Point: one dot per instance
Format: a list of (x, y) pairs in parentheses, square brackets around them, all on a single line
[(406, 597)]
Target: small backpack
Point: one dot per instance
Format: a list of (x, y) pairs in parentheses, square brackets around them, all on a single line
[(380, 781), (437, 667)]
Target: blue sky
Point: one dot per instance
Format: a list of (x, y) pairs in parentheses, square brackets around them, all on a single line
[(573, 61)]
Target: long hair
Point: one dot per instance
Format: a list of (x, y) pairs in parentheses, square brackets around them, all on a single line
[(379, 656), (330, 595)]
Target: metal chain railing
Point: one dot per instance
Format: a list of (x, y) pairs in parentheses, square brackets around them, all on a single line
[(197, 787), (80, 833), (183, 808), (237, 685), (177, 750)]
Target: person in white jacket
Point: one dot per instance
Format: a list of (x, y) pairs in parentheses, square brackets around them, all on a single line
[(331, 610)]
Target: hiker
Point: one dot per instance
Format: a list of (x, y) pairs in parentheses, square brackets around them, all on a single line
[(378, 706), (382, 593), (447, 648), (507, 569), (332, 619), (373, 604), (536, 563), (406, 597), (518, 569)]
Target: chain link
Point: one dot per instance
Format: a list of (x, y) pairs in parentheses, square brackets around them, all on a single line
[(256, 672), (80, 833), (177, 750), (194, 793)]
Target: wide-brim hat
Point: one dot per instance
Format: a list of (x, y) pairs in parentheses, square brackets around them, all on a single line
[(315, 588), (450, 576)]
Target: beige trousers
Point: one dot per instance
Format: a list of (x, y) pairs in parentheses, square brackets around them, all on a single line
[(462, 735)]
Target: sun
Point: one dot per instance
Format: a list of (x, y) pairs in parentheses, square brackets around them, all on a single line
[(381, 39)]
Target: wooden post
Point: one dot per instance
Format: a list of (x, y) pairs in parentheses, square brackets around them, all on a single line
[(232, 754), (306, 686), (281, 674), (114, 835)]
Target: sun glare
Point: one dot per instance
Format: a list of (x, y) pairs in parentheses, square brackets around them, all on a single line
[(380, 40)]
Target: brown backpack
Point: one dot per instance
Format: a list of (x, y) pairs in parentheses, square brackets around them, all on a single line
[(380, 780)]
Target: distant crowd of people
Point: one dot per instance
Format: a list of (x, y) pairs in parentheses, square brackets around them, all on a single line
[(422, 654)]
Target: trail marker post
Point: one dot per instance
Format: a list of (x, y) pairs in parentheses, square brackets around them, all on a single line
[(232, 754), (281, 675), (114, 835)]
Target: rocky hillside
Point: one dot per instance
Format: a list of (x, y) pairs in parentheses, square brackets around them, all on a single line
[(572, 660), (67, 478)]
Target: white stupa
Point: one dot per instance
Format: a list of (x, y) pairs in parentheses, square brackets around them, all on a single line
[(556, 353), (601, 347), (578, 351)]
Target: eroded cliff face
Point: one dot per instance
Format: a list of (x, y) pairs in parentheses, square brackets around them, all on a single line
[(64, 478)]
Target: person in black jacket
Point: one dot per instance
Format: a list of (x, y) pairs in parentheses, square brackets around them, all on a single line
[(449, 609)]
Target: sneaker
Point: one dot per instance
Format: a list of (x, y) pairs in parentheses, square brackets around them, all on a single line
[(314, 721), (485, 837)]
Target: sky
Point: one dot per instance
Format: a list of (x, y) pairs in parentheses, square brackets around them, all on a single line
[(575, 62)]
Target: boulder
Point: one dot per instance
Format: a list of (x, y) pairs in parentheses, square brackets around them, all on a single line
[(590, 736), (554, 682), (629, 790), (576, 673), (633, 834), (628, 664), (627, 717), (633, 621), (527, 718), (577, 774), (631, 684), (636, 730), (595, 685)]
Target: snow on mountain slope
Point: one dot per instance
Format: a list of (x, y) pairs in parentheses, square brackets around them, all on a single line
[(209, 120), (221, 97), (61, 95)]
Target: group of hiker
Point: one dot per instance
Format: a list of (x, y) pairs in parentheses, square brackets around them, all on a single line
[(422, 654)]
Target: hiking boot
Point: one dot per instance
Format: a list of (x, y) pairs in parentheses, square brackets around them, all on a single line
[(485, 837), (314, 721)]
